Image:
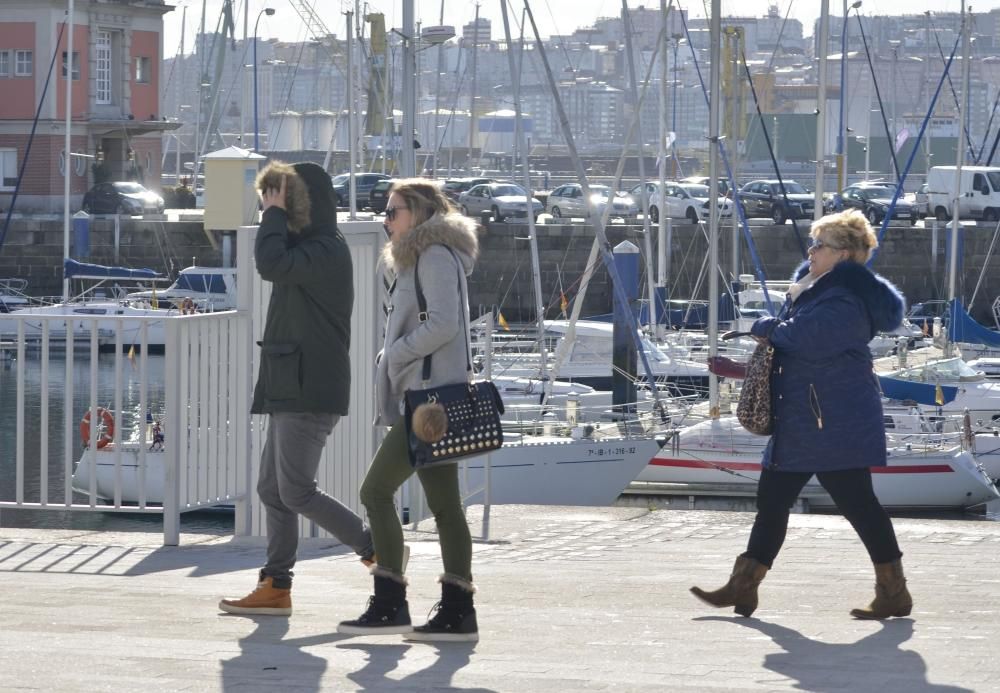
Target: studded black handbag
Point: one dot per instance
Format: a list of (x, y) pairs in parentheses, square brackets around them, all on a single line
[(452, 421)]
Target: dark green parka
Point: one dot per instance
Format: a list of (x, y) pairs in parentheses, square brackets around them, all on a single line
[(304, 362)]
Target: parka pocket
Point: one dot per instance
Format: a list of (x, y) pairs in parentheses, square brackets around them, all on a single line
[(282, 370)]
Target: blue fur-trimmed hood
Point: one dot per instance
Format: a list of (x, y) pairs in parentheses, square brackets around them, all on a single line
[(886, 304)]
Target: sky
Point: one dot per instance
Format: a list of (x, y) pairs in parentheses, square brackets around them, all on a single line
[(552, 16)]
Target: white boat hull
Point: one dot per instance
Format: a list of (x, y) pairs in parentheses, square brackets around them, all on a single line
[(560, 471), (545, 471), (721, 454), (131, 473)]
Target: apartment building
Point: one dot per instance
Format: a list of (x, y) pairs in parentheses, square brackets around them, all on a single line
[(115, 76)]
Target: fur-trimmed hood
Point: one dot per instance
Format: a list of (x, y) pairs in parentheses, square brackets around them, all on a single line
[(453, 230), (886, 304)]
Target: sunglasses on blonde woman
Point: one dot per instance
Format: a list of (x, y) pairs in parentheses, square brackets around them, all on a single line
[(818, 245), (390, 213)]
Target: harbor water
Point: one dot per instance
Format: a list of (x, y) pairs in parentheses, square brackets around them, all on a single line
[(134, 423)]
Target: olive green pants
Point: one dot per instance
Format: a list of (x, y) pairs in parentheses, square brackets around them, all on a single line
[(390, 468)]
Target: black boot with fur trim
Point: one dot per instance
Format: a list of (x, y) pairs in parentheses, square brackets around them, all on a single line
[(388, 612), (454, 617)]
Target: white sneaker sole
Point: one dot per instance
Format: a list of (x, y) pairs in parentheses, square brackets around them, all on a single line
[(377, 630), (417, 636), (254, 611)]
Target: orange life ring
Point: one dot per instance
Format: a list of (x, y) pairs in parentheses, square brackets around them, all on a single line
[(188, 307), (106, 432)]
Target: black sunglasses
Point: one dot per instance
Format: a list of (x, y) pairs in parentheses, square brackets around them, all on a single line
[(390, 213)]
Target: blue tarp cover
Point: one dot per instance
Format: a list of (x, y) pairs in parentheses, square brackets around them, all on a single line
[(962, 328), (921, 393), (73, 269)]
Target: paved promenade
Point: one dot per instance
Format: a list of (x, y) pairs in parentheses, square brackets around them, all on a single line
[(571, 599)]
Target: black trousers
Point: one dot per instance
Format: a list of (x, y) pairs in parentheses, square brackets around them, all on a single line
[(851, 490)]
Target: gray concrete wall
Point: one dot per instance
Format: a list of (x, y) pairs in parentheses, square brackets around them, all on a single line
[(33, 251)]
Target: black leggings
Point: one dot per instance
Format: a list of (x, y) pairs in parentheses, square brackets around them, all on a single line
[(851, 490)]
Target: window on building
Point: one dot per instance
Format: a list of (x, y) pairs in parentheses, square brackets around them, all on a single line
[(143, 70), (23, 63), (8, 169), (4, 63), (102, 67), (76, 65)]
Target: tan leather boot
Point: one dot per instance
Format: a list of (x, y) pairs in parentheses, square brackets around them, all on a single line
[(266, 600), (741, 590), (891, 596)]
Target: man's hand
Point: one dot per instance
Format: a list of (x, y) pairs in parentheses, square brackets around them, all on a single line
[(274, 197)]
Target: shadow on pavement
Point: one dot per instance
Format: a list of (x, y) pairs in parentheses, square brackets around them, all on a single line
[(216, 559), (875, 662), (384, 658), (268, 661)]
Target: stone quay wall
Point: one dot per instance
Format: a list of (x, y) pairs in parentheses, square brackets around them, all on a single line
[(33, 250)]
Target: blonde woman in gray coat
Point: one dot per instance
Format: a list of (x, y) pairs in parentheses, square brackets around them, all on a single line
[(421, 224)]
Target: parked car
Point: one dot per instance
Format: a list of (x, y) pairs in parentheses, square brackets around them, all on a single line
[(923, 202), (681, 201), (363, 184), (724, 188), (122, 197), (453, 187), (502, 200), (874, 201), (763, 198), (378, 198), (568, 201)]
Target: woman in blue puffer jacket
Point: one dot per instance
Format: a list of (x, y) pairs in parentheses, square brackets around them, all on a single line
[(827, 411)]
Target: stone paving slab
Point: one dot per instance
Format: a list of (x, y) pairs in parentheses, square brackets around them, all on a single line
[(571, 599)]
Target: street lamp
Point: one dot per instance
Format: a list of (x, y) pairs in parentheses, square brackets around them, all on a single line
[(269, 11), (841, 130)]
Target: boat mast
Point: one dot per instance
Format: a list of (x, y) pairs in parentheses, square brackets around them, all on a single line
[(661, 241), (67, 146), (472, 91), (715, 33), (646, 230), (821, 47), (956, 225), (532, 237), (408, 165), (352, 194)]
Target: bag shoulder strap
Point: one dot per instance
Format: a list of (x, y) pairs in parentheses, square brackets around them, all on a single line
[(422, 315)]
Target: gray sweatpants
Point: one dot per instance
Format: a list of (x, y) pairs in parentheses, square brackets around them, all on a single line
[(287, 488)]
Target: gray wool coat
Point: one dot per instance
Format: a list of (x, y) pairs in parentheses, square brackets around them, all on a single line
[(407, 339)]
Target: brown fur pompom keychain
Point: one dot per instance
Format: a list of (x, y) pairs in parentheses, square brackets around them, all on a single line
[(296, 192), (429, 422)]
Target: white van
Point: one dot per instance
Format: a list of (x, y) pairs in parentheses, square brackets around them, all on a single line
[(978, 194)]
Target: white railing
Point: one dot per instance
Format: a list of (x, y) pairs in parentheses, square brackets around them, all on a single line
[(198, 391)]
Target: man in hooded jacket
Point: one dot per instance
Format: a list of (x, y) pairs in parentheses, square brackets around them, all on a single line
[(304, 379)]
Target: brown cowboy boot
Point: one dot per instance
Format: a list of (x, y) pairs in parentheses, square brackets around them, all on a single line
[(741, 590), (266, 600), (891, 596)]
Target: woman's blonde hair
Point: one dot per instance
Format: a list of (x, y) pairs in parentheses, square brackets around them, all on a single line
[(848, 231), (423, 197)]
